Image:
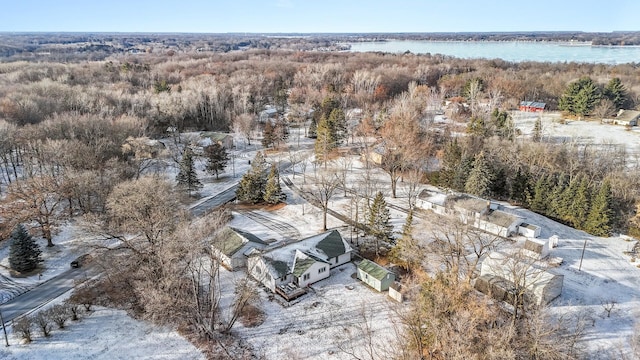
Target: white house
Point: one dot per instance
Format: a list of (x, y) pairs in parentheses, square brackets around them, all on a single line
[(233, 247), (542, 285), (288, 268)]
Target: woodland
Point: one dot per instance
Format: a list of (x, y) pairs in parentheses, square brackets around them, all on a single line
[(65, 116)]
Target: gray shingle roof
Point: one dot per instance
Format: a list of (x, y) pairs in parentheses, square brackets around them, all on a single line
[(332, 245)]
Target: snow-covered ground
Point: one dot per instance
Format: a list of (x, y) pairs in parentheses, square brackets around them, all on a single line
[(580, 131), (104, 334), (329, 320)]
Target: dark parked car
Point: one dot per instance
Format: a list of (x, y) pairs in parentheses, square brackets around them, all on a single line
[(81, 261)]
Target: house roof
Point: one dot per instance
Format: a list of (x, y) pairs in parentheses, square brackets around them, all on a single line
[(231, 240), (627, 115), (302, 263), (281, 268), (468, 203), (318, 248), (228, 242), (533, 104), (501, 218), (332, 245), (373, 269), (249, 236)]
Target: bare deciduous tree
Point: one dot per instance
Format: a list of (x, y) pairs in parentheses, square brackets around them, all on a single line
[(326, 184)]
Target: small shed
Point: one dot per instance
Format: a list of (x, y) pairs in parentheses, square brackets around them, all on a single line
[(395, 291), (532, 106), (375, 275), (529, 230)]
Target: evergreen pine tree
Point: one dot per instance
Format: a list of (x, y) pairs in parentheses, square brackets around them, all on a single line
[(252, 185), (313, 129), (462, 173), (338, 125), (268, 134), (480, 177), (600, 218), (519, 185), (581, 204), (555, 199), (616, 92), (403, 252), (379, 216), (24, 253), (217, 158), (450, 163), (541, 190), (187, 177), (566, 200), (273, 192), (325, 140), (536, 136)]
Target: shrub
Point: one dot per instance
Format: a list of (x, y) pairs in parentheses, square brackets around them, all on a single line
[(59, 314), (43, 322), (23, 326)]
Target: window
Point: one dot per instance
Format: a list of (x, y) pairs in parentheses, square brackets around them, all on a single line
[(322, 269), (366, 276), (306, 277)]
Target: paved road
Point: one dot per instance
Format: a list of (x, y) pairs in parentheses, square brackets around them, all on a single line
[(43, 293), (215, 201)]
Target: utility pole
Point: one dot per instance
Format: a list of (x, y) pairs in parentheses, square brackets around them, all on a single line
[(582, 256), (4, 329)]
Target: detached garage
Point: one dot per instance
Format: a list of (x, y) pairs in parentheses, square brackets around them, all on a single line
[(375, 275)]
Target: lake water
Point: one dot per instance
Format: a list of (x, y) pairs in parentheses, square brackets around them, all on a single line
[(516, 51)]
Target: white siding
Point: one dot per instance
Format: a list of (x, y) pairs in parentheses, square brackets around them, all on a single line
[(314, 273), (260, 272)]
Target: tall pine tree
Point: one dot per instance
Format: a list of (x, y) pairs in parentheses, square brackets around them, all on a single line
[(581, 204), (24, 253), (273, 192), (217, 158), (187, 177), (252, 185), (600, 219), (379, 217), (539, 201), (480, 177), (616, 92)]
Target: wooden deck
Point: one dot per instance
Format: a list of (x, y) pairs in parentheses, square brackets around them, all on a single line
[(290, 291)]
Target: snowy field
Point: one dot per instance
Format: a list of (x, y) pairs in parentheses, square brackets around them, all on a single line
[(105, 334), (580, 131)]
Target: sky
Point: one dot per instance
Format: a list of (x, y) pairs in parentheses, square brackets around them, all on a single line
[(318, 16)]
